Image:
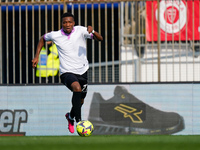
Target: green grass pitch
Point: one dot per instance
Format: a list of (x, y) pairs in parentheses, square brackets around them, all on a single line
[(113, 142)]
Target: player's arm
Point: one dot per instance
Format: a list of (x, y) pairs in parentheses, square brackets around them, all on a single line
[(96, 35), (39, 47)]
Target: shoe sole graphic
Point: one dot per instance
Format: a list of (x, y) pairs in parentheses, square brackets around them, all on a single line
[(101, 128)]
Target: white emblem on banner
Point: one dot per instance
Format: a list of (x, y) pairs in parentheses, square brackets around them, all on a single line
[(172, 16)]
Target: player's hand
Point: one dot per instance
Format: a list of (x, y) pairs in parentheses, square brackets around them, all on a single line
[(89, 29), (34, 62)]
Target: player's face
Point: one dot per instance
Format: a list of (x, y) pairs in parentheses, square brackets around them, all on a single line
[(68, 24)]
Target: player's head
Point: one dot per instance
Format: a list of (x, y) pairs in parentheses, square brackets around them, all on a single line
[(67, 22)]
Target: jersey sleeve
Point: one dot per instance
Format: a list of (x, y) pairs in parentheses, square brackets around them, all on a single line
[(86, 34), (48, 36)]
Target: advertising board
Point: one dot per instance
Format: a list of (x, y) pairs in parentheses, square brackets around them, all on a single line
[(113, 109)]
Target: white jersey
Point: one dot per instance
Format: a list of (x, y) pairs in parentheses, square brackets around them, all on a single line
[(71, 49)]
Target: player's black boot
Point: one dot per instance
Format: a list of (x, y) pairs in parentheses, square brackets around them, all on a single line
[(125, 114)]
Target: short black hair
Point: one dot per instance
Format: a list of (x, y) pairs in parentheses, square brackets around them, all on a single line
[(67, 14)]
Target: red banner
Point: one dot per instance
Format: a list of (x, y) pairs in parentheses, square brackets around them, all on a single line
[(177, 19)]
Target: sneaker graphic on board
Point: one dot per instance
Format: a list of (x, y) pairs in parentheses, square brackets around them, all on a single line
[(70, 123), (126, 114)]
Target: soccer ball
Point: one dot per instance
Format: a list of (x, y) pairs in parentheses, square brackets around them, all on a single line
[(84, 128)]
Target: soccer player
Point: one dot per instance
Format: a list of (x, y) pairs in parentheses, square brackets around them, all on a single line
[(71, 45)]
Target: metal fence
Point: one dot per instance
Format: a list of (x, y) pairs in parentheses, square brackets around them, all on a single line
[(161, 41), (137, 46)]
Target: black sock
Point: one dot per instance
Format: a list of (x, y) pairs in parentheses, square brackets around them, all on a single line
[(76, 106)]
